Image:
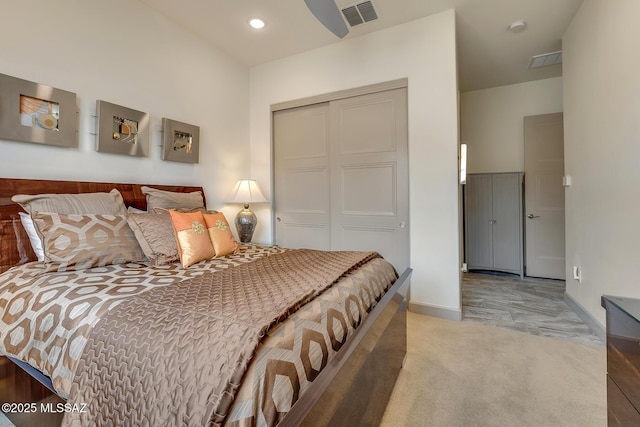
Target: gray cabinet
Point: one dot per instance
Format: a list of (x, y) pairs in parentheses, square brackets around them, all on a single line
[(493, 222)]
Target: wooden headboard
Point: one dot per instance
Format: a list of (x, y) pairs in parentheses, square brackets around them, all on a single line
[(15, 247)]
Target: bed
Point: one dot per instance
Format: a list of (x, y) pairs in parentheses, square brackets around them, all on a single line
[(330, 355)]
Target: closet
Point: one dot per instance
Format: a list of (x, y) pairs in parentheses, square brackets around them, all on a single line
[(341, 177), (494, 222)]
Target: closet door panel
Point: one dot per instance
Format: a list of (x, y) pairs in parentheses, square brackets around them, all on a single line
[(298, 185), (507, 227), (302, 177), (381, 202), (363, 238), (367, 124), (369, 175), (299, 234), (479, 228)]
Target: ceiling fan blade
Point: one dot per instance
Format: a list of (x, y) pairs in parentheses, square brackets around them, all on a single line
[(329, 15)]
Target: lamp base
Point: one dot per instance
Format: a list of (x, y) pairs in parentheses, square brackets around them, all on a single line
[(246, 222)]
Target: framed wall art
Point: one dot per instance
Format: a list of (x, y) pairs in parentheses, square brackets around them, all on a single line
[(33, 112), (180, 141), (121, 130)]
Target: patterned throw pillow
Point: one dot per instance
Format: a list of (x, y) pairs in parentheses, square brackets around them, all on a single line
[(220, 234), (76, 242), (192, 238), (155, 236)]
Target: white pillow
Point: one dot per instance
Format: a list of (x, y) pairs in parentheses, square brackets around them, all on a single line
[(30, 228), (133, 210)]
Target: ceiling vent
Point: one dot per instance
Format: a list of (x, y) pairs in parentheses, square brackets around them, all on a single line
[(551, 58), (360, 13)]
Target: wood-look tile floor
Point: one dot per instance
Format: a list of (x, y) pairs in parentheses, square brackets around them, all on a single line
[(530, 305)]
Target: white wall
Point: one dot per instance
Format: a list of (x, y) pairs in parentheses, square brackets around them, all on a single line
[(122, 52), (492, 122), (424, 51), (601, 87)]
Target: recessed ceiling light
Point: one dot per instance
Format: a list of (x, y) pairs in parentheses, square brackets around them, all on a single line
[(257, 23), (517, 26)]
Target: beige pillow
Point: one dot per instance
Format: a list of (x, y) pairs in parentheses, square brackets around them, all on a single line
[(155, 236), (76, 242), (165, 211), (220, 234), (132, 210), (110, 203), (172, 200)]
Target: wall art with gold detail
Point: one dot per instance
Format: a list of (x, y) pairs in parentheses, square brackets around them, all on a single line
[(33, 112), (180, 141), (121, 130)]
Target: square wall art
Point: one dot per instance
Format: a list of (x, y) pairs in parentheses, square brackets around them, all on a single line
[(180, 141), (121, 130), (33, 112)]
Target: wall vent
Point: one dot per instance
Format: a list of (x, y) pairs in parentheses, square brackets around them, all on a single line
[(360, 13), (551, 58)]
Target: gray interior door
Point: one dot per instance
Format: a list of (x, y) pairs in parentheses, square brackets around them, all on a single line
[(544, 195), (479, 218), (507, 221)]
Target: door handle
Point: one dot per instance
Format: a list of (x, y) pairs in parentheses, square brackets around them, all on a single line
[(532, 216), (278, 219), (492, 221)]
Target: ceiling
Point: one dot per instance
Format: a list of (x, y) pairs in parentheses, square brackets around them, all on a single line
[(488, 54)]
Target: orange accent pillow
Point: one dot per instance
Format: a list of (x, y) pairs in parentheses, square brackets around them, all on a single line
[(193, 241), (220, 234)]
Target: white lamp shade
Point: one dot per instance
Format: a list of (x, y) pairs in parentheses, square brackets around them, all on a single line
[(246, 191)]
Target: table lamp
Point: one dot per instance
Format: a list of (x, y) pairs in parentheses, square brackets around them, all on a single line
[(246, 191)]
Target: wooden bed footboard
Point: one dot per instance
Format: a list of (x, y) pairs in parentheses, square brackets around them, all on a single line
[(354, 388)]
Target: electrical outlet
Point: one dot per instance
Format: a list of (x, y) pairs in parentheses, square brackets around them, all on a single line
[(577, 274)]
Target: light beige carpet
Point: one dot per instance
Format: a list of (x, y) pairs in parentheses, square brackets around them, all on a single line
[(468, 374)]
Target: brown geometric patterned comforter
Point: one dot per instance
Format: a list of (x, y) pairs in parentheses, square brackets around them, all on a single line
[(48, 320), (296, 350)]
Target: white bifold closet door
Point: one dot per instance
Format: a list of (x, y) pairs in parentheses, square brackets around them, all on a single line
[(341, 175), (302, 190)]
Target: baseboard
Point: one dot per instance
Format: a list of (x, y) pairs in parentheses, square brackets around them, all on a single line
[(587, 317), (435, 311)]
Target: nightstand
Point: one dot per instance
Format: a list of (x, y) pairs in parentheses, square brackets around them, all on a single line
[(623, 360)]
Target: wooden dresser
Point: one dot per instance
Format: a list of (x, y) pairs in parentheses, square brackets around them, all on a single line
[(623, 360)]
